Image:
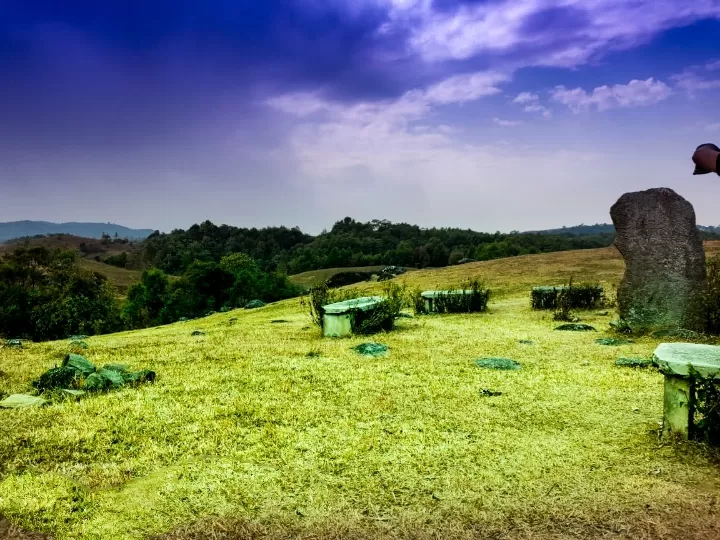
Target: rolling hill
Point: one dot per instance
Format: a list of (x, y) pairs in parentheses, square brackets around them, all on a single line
[(18, 229), (257, 427)]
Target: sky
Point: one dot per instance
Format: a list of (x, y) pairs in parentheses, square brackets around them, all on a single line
[(493, 115)]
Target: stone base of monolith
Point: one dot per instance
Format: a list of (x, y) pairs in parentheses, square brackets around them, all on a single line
[(665, 276)]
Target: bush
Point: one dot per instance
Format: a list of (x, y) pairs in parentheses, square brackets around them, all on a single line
[(475, 299), (706, 399), (581, 296), (712, 299), (120, 260)]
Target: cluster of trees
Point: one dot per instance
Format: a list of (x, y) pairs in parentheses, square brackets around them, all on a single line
[(350, 243), (204, 287), (174, 252), (45, 294)]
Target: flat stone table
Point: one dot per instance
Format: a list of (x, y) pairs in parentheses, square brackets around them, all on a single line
[(339, 318), (429, 297), (674, 360)]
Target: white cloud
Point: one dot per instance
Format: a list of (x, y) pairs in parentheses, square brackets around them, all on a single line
[(692, 81), (585, 28), (538, 109), (525, 97), (506, 123), (634, 94)]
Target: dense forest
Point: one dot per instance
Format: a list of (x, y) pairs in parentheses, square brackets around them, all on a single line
[(350, 243)]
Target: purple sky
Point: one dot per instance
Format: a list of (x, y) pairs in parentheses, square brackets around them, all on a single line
[(491, 115)]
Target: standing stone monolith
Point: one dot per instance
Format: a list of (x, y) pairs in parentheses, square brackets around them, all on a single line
[(665, 276)]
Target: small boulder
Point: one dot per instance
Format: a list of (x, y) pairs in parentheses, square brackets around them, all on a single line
[(198, 333), (612, 341), (576, 327), (371, 349), (22, 401), (498, 363), (633, 362), (14, 343), (489, 393), (526, 342), (254, 304)]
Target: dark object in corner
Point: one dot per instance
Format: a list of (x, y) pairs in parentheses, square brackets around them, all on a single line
[(700, 170)]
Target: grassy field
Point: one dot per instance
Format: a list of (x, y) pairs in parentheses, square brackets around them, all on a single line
[(265, 430)]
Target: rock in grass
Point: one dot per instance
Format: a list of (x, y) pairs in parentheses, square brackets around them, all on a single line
[(79, 345), (105, 379), (575, 327), (676, 332), (14, 343), (22, 401), (489, 393), (57, 378), (612, 341), (254, 304), (526, 342), (633, 362), (79, 364), (198, 333), (498, 363), (371, 349), (313, 354), (279, 321)]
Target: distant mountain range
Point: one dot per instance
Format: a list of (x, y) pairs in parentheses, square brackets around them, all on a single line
[(604, 228), (19, 229)]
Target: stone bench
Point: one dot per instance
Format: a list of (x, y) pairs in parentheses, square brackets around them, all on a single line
[(339, 318), (430, 297), (674, 360)]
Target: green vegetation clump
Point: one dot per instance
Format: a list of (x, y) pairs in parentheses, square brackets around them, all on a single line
[(706, 414), (498, 363), (45, 295), (567, 297), (474, 300)]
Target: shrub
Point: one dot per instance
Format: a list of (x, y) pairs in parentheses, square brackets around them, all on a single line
[(475, 299), (712, 299), (120, 260), (706, 399), (580, 296)]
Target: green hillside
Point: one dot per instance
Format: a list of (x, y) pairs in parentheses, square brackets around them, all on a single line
[(263, 429)]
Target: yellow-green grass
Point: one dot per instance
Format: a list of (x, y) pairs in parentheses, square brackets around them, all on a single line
[(246, 435)]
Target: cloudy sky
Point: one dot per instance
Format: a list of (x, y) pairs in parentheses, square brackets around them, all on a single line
[(485, 114)]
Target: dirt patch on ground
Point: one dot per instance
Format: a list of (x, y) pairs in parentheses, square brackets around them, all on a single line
[(658, 524), (10, 532)]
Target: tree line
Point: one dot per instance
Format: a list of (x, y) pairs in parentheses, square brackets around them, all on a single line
[(349, 243)]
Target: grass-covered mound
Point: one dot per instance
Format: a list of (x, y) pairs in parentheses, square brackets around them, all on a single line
[(262, 430)]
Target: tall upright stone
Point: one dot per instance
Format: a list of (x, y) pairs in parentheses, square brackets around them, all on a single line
[(665, 276)]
